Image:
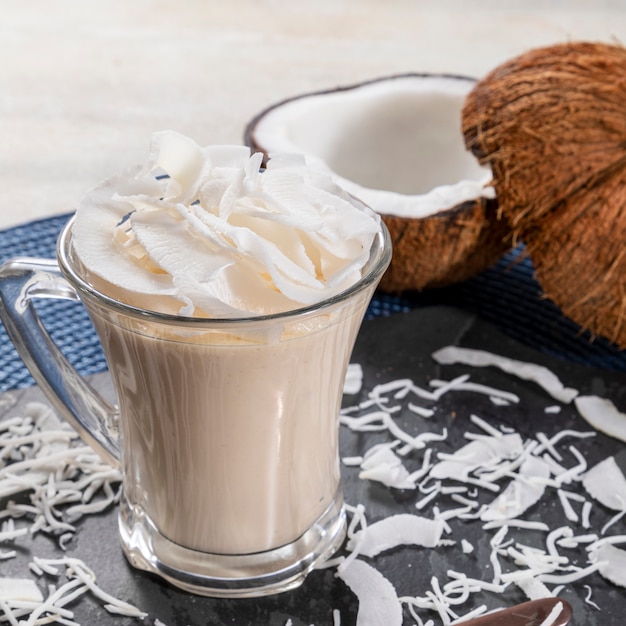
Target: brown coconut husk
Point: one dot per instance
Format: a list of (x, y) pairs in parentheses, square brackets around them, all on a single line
[(445, 248), (551, 123)]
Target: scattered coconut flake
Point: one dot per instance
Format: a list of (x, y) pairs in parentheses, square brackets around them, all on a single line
[(553, 616), (486, 426), (354, 379), (399, 386), (422, 502), (532, 465), (554, 536), (462, 581), (453, 490), (546, 444), (383, 465), (516, 523), (42, 456), (496, 544), (12, 533), (588, 599), (498, 396), (575, 541), (477, 454), (396, 530), (352, 460), (419, 442), (19, 589), (472, 504), (575, 472), (575, 576), (586, 514), (606, 483), (553, 409), (466, 546), (444, 386), (603, 415), (612, 539), (449, 514), (425, 468), (534, 589), (365, 423), (420, 410), (570, 514), (378, 601), (79, 574), (561, 435), (539, 374), (499, 401), (535, 560)]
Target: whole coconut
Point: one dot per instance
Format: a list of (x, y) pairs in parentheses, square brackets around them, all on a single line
[(551, 123)]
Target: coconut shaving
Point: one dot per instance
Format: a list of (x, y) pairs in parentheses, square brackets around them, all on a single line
[(203, 232)]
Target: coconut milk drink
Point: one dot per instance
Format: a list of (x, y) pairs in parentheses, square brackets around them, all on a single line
[(231, 441), (227, 298)]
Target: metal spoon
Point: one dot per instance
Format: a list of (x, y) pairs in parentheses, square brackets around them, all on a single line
[(531, 613)]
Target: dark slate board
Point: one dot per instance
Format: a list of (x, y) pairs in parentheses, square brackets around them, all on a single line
[(387, 348)]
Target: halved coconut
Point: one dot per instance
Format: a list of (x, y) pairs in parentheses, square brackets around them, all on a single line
[(552, 125), (396, 144)]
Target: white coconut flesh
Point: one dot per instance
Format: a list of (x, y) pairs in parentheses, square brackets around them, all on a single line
[(395, 143)]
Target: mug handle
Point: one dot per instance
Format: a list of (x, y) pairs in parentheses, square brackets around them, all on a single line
[(93, 417)]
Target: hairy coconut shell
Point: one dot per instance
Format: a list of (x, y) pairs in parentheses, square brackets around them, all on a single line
[(551, 123), (445, 248)]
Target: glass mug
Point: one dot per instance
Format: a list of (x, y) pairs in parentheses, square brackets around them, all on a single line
[(228, 428)]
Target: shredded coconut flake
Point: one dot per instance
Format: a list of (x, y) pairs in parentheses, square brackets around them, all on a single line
[(533, 468), (378, 600), (43, 458), (606, 483), (611, 563), (524, 491), (396, 530), (603, 415), (475, 454), (19, 589), (466, 546), (553, 616), (354, 379), (527, 371), (64, 479)]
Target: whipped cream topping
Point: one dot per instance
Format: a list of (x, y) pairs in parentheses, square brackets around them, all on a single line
[(205, 232)]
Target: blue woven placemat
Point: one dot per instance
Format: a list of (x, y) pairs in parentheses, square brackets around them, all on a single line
[(506, 295)]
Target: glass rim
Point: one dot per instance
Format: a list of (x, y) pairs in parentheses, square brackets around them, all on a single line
[(380, 257)]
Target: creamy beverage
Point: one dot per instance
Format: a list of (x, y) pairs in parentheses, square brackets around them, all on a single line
[(227, 298), (231, 444)]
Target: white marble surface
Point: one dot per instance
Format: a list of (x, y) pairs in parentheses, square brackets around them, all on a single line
[(83, 83)]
